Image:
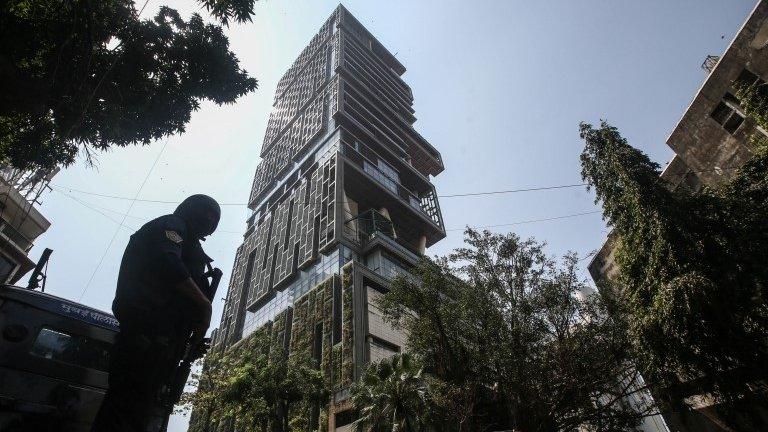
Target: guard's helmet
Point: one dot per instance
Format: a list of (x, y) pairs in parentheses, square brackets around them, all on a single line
[(201, 213)]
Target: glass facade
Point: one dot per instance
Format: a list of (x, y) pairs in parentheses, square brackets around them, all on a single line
[(415, 203), (380, 176), (384, 265), (6, 268), (327, 266)]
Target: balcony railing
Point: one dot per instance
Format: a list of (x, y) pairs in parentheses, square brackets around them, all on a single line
[(371, 226), (366, 225), (15, 237), (388, 182)]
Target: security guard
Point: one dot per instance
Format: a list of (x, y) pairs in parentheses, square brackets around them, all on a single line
[(158, 296)]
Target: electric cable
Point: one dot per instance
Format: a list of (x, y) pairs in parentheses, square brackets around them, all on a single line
[(529, 221), (101, 210), (468, 194), (95, 209), (246, 204), (112, 240), (458, 195), (568, 216), (512, 191)]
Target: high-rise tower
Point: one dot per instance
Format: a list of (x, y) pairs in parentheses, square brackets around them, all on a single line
[(341, 202)]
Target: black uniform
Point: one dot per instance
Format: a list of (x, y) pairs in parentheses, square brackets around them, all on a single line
[(154, 317)]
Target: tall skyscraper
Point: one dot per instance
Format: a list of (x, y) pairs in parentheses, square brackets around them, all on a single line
[(341, 202)]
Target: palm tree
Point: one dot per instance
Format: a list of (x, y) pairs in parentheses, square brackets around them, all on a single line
[(390, 396)]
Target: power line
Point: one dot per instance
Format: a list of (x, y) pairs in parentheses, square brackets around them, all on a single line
[(451, 229), (497, 192), (95, 209), (112, 240), (529, 221), (101, 211), (114, 196), (512, 191), (458, 195)]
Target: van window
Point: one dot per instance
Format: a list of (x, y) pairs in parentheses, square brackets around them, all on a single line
[(75, 350)]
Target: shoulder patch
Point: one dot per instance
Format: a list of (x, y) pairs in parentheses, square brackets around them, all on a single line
[(173, 236)]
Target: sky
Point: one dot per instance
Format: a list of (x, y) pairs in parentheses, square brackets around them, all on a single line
[(500, 88)]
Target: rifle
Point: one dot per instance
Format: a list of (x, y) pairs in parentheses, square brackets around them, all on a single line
[(192, 351)]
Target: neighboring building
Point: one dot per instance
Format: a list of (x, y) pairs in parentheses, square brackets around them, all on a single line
[(711, 140), (341, 202), (20, 222), (712, 137)]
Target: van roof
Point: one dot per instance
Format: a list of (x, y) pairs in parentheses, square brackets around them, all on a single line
[(59, 306)]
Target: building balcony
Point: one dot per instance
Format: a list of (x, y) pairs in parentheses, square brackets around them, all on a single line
[(374, 119), (21, 223), (424, 203), (359, 63), (387, 178), (371, 229)]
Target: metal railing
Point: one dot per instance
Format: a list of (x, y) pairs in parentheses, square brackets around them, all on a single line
[(15, 236), (393, 185), (372, 225)]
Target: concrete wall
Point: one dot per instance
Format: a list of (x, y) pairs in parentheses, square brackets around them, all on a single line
[(386, 340), (699, 140)]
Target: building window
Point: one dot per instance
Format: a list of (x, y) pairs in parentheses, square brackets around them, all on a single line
[(379, 175), (388, 170), (415, 203), (727, 115), (325, 267), (728, 112), (385, 265), (16, 237), (6, 268), (79, 351), (747, 78), (249, 270)]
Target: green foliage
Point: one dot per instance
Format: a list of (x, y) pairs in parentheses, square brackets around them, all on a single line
[(347, 360), (313, 308), (208, 407), (693, 273), (391, 395), (257, 388), (227, 10), (753, 99), (89, 75), (510, 340)]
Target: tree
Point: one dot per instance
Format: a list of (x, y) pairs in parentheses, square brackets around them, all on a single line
[(512, 341), (208, 406), (390, 396), (256, 387), (87, 75), (693, 271), (753, 99)]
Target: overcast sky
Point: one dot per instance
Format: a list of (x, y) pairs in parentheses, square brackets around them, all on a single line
[(500, 88)]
